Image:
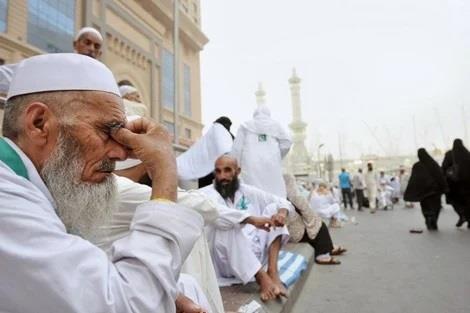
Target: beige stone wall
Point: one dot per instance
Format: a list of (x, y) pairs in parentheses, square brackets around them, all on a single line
[(135, 32)]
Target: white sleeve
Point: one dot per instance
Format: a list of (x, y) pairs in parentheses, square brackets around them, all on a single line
[(265, 198), (45, 269), (229, 218), (199, 202)]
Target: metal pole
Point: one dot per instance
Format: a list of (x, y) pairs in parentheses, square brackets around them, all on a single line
[(176, 67)]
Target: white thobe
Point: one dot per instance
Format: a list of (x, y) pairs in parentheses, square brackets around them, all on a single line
[(198, 264), (240, 250), (260, 157), (371, 188), (45, 269), (325, 205)]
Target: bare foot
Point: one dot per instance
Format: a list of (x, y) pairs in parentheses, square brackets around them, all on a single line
[(268, 289), (186, 305), (282, 291)]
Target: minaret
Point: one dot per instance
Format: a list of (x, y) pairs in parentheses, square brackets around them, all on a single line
[(299, 160), (260, 94)]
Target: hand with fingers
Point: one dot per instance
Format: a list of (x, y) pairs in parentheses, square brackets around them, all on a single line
[(279, 219), (150, 142)]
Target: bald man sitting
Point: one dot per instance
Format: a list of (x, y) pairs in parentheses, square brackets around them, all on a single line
[(249, 231)]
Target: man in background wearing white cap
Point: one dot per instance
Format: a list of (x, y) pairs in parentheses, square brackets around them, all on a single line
[(64, 130), (88, 41)]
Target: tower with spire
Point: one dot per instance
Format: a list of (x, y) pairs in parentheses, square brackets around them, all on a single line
[(299, 162)]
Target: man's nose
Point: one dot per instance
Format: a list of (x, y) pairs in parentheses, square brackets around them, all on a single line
[(117, 151)]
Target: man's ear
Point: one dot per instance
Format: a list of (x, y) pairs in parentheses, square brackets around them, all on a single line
[(239, 170), (39, 123)]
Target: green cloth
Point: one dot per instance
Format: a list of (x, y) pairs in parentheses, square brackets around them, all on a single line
[(9, 156)]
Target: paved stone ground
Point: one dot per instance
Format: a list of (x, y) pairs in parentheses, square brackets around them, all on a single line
[(389, 270)]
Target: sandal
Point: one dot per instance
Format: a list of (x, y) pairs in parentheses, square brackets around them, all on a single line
[(338, 251), (331, 261)]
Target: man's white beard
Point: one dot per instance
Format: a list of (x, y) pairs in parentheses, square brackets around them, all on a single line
[(82, 207)]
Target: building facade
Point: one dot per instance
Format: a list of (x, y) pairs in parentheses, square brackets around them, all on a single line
[(138, 48)]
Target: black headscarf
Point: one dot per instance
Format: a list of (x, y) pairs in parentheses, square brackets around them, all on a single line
[(426, 178)]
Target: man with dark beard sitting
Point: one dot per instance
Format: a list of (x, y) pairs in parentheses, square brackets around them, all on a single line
[(64, 129), (249, 231)]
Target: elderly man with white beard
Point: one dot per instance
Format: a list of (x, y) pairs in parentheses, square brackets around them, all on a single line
[(64, 128)]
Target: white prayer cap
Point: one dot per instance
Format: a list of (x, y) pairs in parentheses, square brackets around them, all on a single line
[(126, 89), (128, 163), (85, 30), (61, 72), (6, 75)]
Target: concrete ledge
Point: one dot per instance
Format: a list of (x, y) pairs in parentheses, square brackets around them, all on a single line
[(236, 296)]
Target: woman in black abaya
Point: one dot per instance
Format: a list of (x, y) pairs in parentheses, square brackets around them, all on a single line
[(461, 186), (454, 195), (426, 186)]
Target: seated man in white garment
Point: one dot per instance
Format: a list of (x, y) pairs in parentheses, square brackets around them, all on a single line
[(249, 231), (64, 129)]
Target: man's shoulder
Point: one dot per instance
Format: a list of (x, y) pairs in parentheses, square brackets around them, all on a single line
[(209, 189), (250, 189), (21, 197)]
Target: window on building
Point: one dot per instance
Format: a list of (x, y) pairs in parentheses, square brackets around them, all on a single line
[(3, 15), (168, 80), (187, 90), (170, 127), (51, 24), (187, 133)]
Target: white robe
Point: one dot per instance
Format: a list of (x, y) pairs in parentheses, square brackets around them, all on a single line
[(259, 147), (239, 251), (325, 205), (198, 264), (45, 269), (199, 160)]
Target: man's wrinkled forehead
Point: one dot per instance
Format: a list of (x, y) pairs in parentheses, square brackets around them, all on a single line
[(106, 107)]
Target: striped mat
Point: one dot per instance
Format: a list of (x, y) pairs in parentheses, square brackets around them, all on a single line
[(290, 266)]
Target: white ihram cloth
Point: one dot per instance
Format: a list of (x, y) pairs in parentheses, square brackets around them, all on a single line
[(45, 269), (198, 264), (199, 160), (326, 205), (239, 251), (259, 147)]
